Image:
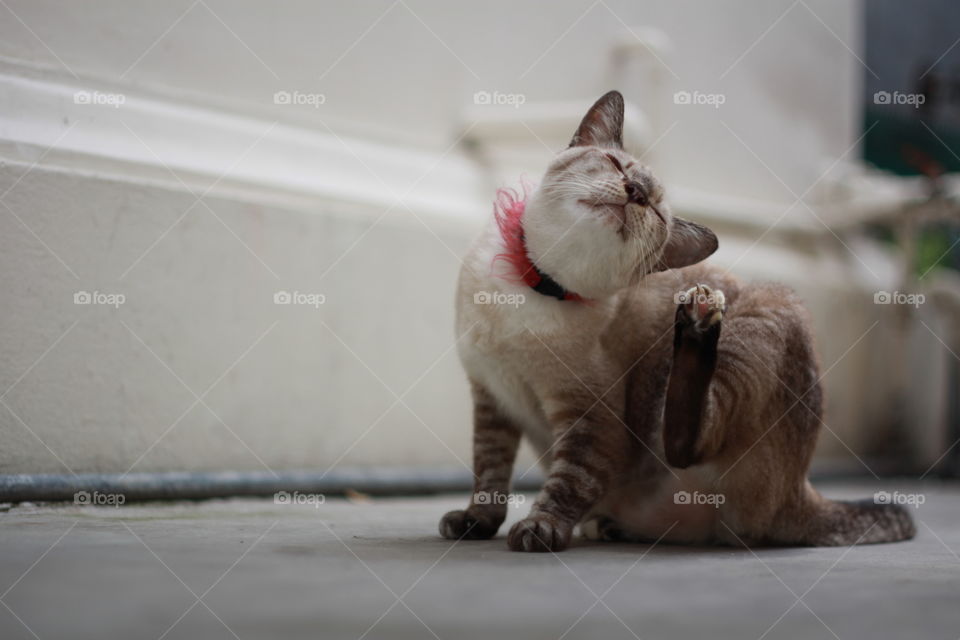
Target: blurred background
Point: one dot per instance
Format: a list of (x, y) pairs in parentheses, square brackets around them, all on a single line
[(230, 231)]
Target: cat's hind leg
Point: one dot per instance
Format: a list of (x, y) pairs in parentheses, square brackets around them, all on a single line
[(820, 522), (697, 326)]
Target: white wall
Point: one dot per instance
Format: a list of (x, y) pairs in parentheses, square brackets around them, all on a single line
[(201, 301), (406, 71), (297, 188)]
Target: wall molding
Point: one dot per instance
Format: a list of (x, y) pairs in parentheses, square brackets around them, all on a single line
[(189, 142), (126, 132)]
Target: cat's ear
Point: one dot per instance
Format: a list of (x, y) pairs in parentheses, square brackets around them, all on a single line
[(603, 124), (688, 243)]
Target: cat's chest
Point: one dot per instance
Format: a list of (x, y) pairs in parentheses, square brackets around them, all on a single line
[(523, 353), (505, 373), (518, 365)]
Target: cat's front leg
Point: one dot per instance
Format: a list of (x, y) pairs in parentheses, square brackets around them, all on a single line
[(687, 409), (495, 443), (592, 444)]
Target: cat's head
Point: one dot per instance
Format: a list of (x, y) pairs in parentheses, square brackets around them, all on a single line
[(598, 221)]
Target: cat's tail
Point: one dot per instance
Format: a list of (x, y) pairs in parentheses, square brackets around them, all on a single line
[(839, 523)]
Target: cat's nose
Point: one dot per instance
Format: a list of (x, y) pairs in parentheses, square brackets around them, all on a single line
[(635, 192)]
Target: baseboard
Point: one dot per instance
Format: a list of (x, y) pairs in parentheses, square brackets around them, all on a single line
[(136, 487), (384, 481)]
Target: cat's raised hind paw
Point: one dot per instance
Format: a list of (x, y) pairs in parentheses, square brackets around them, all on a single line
[(700, 307), (699, 314)]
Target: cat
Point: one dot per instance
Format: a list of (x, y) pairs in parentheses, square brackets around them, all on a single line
[(667, 399)]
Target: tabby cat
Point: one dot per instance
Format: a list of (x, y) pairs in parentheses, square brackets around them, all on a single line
[(666, 398)]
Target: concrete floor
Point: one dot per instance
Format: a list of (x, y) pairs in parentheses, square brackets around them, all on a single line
[(254, 569)]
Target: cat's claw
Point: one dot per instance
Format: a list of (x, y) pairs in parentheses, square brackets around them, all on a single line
[(701, 306), (539, 532)]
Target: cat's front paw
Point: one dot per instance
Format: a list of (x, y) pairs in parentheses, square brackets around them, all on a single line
[(470, 524), (539, 532), (700, 308)]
